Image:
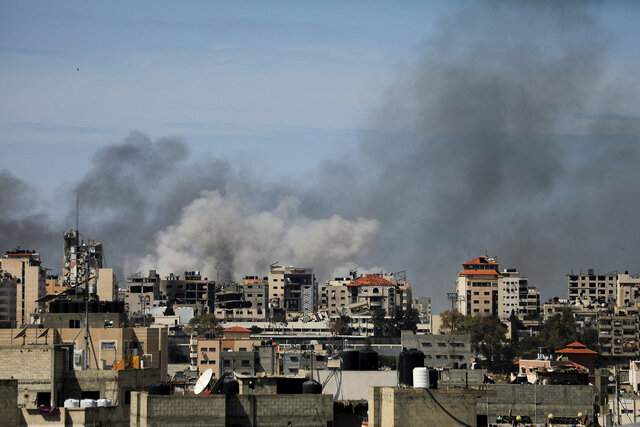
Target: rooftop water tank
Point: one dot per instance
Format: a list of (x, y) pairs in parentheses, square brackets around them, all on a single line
[(407, 360), (368, 360), (72, 403), (311, 387), (230, 386), (350, 360)]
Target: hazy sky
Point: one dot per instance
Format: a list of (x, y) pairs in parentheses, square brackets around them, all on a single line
[(387, 135), (259, 83)]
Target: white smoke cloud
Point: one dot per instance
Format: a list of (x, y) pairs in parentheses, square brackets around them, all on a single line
[(229, 230)]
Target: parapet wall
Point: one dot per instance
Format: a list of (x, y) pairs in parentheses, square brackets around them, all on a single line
[(219, 410), (536, 401)]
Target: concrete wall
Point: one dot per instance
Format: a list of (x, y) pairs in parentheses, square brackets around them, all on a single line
[(9, 402), (111, 416), (400, 407), (440, 351), (536, 401), (33, 367), (354, 385), (220, 410)]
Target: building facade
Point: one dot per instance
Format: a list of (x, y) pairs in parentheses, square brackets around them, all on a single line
[(477, 287), (25, 266)]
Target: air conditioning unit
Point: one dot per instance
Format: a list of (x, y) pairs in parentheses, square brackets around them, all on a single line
[(78, 360)]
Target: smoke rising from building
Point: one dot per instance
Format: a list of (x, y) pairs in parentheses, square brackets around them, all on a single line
[(510, 135)]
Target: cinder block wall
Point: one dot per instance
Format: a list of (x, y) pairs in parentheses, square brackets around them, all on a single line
[(9, 402), (536, 401), (248, 410)]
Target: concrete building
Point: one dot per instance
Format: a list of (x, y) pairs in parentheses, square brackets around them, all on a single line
[(509, 293), (206, 353), (628, 290), (256, 290), (477, 287), (293, 289), (251, 410), (25, 266), (8, 286), (592, 287), (190, 291), (440, 351), (400, 407), (618, 334), (423, 305)]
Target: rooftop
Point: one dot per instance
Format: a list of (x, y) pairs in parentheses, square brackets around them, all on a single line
[(371, 280)]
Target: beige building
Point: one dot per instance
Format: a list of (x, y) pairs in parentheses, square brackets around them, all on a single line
[(509, 293), (368, 292), (292, 289), (25, 267), (477, 287), (108, 346), (592, 287), (205, 353), (628, 290)]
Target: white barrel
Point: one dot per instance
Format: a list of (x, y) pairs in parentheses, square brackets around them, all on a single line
[(104, 402), (420, 377), (88, 403), (72, 403)]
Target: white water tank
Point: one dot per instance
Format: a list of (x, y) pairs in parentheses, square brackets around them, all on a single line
[(72, 403), (420, 377), (88, 403), (104, 402)]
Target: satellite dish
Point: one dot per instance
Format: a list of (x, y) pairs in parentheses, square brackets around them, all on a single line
[(203, 381)]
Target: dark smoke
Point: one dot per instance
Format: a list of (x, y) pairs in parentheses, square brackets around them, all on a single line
[(507, 137), (490, 145)]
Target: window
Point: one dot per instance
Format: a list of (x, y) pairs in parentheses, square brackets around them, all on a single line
[(212, 349), (108, 345), (243, 348), (426, 344), (211, 362), (442, 344), (245, 363)]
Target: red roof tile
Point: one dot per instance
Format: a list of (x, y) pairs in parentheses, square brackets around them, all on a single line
[(576, 348), (372, 280), (236, 329), (481, 260)]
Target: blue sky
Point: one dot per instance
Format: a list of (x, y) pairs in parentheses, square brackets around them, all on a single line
[(246, 81)]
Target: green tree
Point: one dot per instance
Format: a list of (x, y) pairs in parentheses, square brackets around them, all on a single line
[(378, 317), (451, 321), (340, 325), (558, 331), (204, 326), (256, 330)]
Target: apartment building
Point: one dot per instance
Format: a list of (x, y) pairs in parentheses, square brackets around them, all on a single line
[(618, 333), (477, 287), (150, 291), (509, 293), (8, 286), (25, 266), (628, 290), (205, 353), (293, 289), (423, 305), (592, 287)]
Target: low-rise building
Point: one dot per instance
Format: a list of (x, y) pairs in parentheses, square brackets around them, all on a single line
[(440, 351)]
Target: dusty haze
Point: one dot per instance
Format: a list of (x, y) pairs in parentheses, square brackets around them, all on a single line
[(510, 135)]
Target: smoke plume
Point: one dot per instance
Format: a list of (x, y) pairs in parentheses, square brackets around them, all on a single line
[(510, 135)]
